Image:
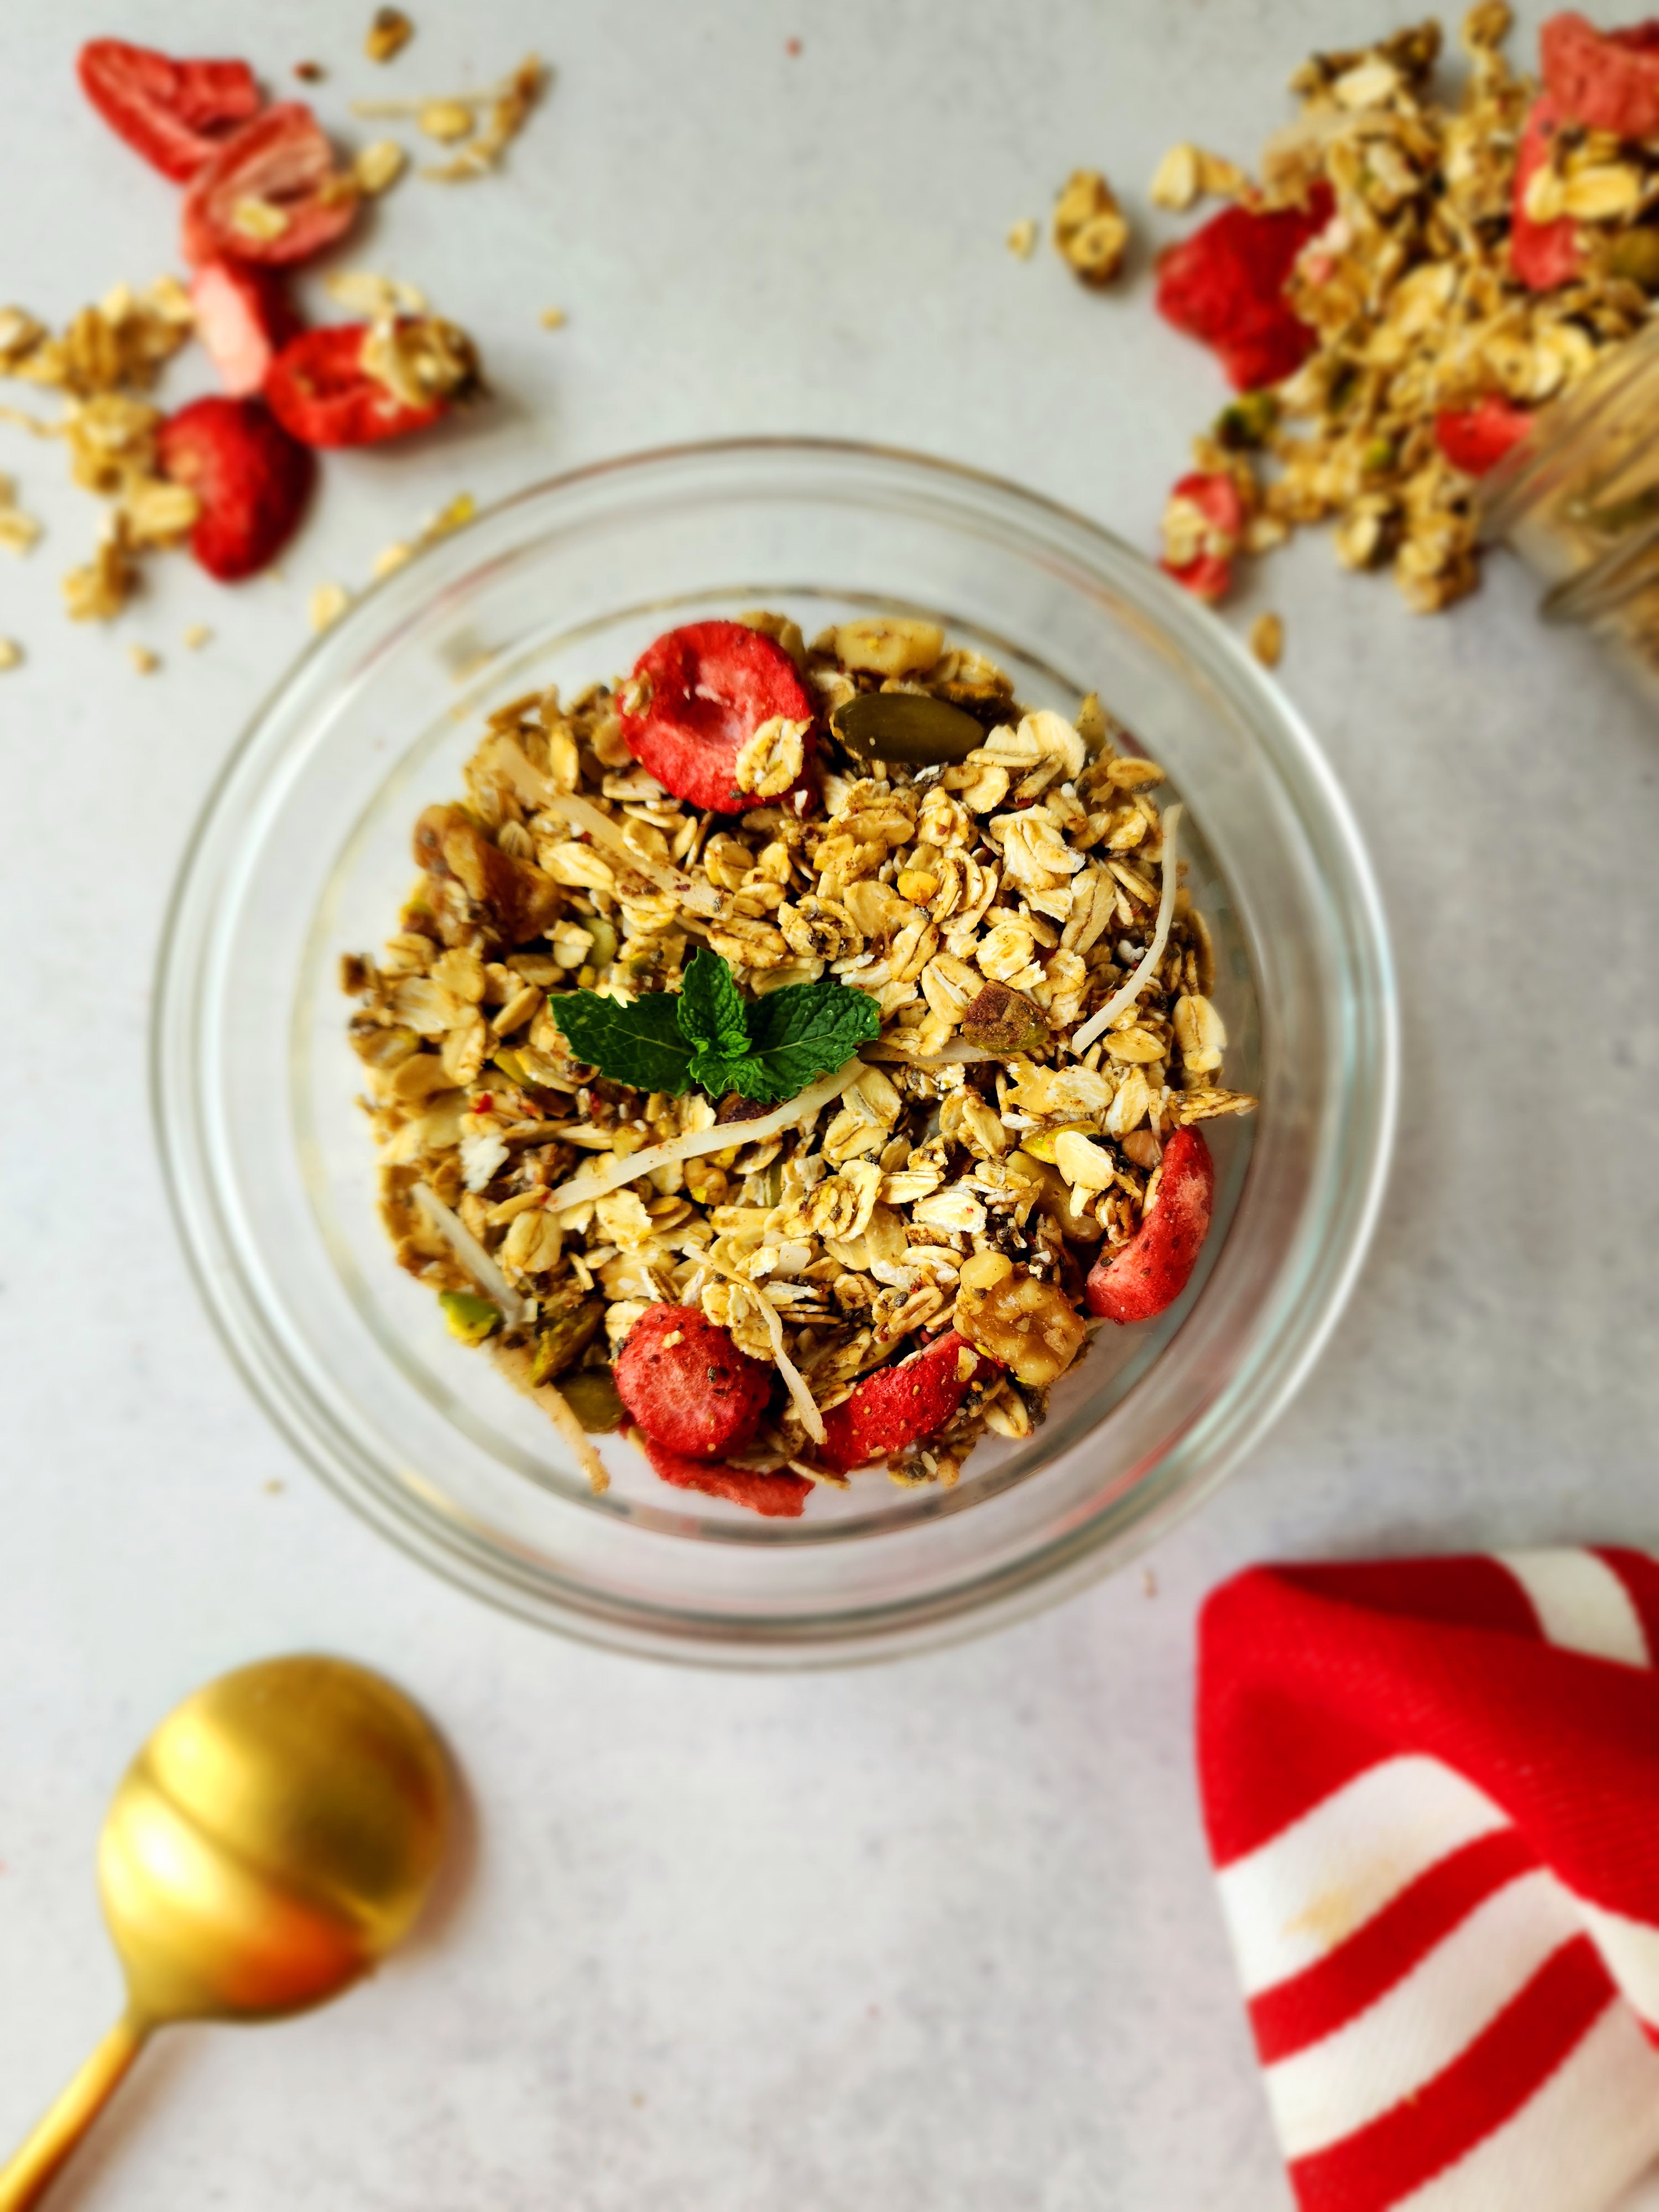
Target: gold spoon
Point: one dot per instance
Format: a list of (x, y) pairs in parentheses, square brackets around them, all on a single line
[(273, 1840)]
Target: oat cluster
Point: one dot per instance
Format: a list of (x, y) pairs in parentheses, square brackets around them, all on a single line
[(1412, 292), (102, 364), (991, 905)]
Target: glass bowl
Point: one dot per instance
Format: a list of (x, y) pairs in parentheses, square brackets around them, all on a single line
[(303, 853)]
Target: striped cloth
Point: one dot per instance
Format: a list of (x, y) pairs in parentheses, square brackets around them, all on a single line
[(1431, 1788)]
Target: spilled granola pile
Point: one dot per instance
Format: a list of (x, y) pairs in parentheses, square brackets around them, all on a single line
[(1406, 281), (906, 1238)]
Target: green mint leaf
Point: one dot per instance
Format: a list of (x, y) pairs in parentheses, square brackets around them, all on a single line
[(803, 1032), (639, 1045), (710, 1012)]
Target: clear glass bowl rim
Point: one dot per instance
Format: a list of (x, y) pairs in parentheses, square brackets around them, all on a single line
[(1254, 1397)]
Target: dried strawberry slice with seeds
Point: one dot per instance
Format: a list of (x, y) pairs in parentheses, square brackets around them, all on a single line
[(1225, 286), (322, 394), (686, 1383), (270, 193), (1149, 1273), (175, 113), (244, 317), (1203, 527), (251, 478), (1475, 438), (1541, 254), (698, 694), (899, 1406), (1605, 80), (778, 1497)]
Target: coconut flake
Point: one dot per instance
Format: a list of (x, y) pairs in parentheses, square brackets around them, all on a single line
[(516, 1310), (1128, 993), (691, 1144), (540, 791), (805, 1405), (560, 1413), (956, 1054)]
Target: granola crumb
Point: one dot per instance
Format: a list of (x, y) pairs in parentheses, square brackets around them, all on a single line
[(197, 636), (378, 166), (554, 319), (1090, 233), (1267, 640), (391, 556), (310, 72), (11, 653), (446, 120), (1023, 237), (326, 604), (389, 32), (143, 660)]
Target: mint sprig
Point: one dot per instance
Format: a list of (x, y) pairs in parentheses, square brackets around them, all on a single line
[(766, 1049)]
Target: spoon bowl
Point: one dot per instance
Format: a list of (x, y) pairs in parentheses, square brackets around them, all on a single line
[(277, 1835)]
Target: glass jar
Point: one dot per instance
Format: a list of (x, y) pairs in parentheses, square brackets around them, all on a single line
[(1579, 502)]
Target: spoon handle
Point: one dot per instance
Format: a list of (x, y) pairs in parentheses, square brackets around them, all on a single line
[(28, 2176)]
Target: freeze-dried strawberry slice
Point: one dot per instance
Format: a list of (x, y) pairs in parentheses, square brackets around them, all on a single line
[(1605, 80), (1225, 286), (270, 193), (244, 317), (175, 113), (322, 394), (251, 477), (1150, 1271), (687, 1384), (1203, 525), (1541, 254), (699, 694), (1475, 438), (778, 1497), (899, 1405)]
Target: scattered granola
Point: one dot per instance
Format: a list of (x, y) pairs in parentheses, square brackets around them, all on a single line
[(327, 603), (1091, 233), (197, 636), (575, 1045), (554, 319), (11, 653), (143, 660), (1267, 640), (389, 32), (229, 476), (1409, 281), (1023, 237), (452, 116)]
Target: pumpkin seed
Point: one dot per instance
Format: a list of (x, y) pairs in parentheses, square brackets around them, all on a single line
[(906, 726)]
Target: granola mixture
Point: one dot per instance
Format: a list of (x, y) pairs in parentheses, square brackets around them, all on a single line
[(1465, 260), (943, 1193)]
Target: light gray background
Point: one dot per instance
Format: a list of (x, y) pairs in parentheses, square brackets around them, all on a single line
[(943, 1932)]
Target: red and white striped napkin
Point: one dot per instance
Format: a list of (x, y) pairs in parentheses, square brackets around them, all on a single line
[(1431, 1788)]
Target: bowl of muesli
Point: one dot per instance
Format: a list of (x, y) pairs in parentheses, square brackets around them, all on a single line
[(865, 1065)]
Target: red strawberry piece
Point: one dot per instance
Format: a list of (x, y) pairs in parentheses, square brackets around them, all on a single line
[(321, 394), (1150, 1271), (899, 1405), (705, 690), (244, 317), (687, 1384), (1475, 438), (1541, 254), (1607, 80), (1225, 286), (270, 193), (175, 113), (778, 1497), (251, 477), (1212, 505)]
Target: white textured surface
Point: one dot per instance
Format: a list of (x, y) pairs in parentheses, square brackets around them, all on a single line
[(944, 1933)]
